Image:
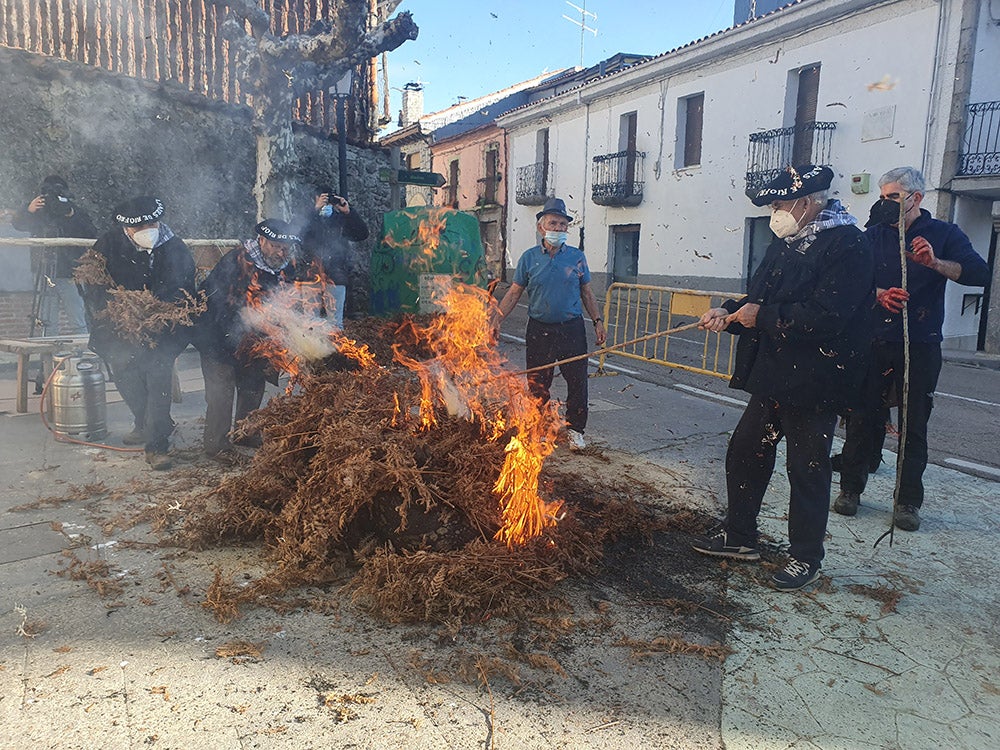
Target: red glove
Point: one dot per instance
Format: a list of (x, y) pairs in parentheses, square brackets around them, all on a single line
[(893, 299)]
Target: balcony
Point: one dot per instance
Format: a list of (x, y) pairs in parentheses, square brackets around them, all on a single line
[(981, 144), (772, 151), (617, 179), (533, 184), (487, 190)]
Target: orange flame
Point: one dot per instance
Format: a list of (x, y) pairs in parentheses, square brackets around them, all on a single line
[(291, 327), (467, 377)]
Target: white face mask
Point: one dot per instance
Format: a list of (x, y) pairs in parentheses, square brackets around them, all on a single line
[(783, 223), (556, 239), (146, 238)]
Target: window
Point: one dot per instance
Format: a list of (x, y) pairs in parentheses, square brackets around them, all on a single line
[(806, 97), (625, 253), (542, 159), (453, 183), (757, 236), (413, 161), (492, 172), (690, 120), (626, 143)]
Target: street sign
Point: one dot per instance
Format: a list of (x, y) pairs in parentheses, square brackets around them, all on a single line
[(413, 177)]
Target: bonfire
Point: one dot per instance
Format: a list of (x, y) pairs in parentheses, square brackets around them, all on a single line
[(413, 472)]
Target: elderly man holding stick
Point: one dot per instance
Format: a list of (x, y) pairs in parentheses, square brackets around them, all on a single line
[(804, 329)]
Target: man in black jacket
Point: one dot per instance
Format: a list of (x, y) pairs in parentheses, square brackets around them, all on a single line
[(936, 252), (142, 252), (256, 268), (53, 213), (805, 334), (325, 233)]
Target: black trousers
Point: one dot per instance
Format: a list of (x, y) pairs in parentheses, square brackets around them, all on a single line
[(750, 460), (885, 377), (223, 380), (550, 342), (144, 378)]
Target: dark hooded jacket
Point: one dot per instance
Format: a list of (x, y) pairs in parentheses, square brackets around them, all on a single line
[(220, 333), (44, 224), (167, 272), (326, 238), (812, 337)]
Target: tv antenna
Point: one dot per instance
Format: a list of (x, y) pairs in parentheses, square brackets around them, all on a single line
[(582, 23)]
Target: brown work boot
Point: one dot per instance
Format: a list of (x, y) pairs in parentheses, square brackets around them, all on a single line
[(158, 461), (847, 503), (135, 437), (906, 517)]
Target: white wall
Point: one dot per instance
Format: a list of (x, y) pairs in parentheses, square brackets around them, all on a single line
[(692, 219)]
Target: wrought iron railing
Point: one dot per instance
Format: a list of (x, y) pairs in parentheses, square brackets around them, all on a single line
[(533, 184), (981, 145), (771, 151), (488, 191), (617, 179)]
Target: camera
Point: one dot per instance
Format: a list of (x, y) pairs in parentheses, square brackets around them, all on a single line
[(57, 206)]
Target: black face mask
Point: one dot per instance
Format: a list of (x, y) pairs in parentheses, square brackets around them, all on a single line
[(884, 211)]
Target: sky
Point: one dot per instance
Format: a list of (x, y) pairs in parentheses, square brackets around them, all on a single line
[(472, 48)]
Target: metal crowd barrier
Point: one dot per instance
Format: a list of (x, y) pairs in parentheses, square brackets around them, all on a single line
[(634, 311)]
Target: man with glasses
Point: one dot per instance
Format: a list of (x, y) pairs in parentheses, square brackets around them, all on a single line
[(936, 251)]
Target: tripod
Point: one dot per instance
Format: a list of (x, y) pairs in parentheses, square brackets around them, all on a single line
[(41, 298), (42, 290)]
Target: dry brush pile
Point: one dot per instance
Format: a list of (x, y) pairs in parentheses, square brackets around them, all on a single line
[(348, 485), (137, 315)]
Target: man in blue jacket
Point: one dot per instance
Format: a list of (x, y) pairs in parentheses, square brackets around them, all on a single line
[(805, 334), (936, 252)]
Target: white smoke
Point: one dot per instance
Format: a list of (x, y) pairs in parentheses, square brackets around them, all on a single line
[(291, 318)]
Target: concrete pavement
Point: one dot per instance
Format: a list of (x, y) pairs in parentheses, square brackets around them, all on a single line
[(897, 647)]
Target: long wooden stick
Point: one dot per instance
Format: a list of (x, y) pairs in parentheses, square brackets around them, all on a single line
[(605, 350)]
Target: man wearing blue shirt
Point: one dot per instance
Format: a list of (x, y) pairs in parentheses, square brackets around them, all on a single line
[(937, 251), (557, 280)]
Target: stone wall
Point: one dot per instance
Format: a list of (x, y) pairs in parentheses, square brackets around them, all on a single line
[(112, 137)]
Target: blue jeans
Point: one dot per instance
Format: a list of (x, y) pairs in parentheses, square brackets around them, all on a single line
[(66, 292)]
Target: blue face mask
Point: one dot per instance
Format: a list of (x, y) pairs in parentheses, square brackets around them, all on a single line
[(556, 239), (327, 210)]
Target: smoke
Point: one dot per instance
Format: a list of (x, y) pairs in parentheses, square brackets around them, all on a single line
[(292, 318)]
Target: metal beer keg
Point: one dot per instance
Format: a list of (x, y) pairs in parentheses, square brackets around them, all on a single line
[(77, 404)]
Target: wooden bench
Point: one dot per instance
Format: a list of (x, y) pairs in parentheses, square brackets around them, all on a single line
[(24, 350)]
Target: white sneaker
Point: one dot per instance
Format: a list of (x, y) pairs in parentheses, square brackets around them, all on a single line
[(575, 440)]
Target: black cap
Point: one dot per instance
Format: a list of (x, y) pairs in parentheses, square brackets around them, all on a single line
[(794, 182), (555, 206), (320, 189), (276, 230), (143, 209), (54, 182)]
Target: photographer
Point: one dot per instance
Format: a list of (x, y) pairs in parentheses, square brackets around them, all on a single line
[(52, 213), (325, 233)]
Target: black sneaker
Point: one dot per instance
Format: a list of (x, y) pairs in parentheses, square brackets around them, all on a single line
[(795, 575), (847, 503), (717, 546), (906, 517)]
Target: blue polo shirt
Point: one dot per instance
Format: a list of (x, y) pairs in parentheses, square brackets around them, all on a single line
[(553, 282)]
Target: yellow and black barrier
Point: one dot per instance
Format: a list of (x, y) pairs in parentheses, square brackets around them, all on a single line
[(632, 312)]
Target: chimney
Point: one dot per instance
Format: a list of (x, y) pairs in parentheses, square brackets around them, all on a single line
[(413, 104)]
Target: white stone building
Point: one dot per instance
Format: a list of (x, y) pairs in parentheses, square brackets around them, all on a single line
[(655, 159)]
